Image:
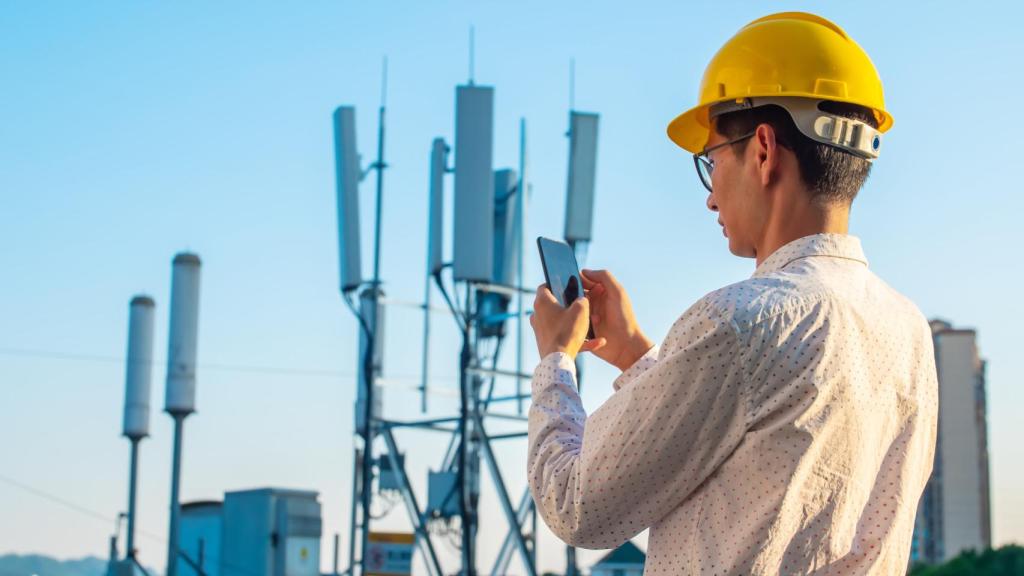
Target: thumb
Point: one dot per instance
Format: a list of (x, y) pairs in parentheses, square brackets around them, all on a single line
[(580, 306)]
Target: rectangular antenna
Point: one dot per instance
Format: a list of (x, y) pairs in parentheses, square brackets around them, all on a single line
[(435, 240), (474, 192), (346, 163), (505, 221), (579, 205)]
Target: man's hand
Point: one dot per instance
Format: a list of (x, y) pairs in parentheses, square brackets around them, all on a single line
[(559, 329), (611, 314)]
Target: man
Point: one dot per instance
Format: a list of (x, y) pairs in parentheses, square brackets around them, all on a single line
[(786, 424)]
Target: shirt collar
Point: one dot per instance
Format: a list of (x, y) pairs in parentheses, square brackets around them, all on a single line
[(824, 244)]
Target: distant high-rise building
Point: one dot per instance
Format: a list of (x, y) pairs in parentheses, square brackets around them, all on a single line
[(954, 514)]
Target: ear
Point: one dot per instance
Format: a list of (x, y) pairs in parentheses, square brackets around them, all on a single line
[(766, 154)]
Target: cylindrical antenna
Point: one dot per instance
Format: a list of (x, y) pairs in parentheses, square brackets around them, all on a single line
[(138, 368), (138, 372), (184, 333)]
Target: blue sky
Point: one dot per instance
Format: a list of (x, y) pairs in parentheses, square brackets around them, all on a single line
[(134, 130)]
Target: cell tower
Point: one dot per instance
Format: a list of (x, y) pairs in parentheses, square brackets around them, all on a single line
[(488, 224)]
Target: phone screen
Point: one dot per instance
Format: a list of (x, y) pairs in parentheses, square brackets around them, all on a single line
[(561, 271)]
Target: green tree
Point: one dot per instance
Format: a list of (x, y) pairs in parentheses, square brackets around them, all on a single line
[(1005, 561)]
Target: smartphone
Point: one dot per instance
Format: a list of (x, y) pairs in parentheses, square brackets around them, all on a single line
[(561, 272)]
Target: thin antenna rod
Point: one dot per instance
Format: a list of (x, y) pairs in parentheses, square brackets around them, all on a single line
[(472, 55), (384, 83), (380, 166), (520, 276), (572, 84)]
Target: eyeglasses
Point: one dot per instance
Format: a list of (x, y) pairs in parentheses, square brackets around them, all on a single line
[(706, 166)]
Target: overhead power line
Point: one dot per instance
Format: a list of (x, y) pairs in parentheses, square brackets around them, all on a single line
[(105, 518), (404, 381)]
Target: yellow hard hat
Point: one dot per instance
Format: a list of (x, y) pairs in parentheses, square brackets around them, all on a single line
[(786, 56)]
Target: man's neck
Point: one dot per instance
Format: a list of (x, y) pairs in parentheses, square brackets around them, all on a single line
[(798, 220)]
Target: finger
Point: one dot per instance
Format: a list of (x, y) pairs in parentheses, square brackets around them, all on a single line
[(595, 319), (602, 277), (588, 283), (593, 344)]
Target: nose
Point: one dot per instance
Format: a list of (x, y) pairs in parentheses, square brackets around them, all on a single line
[(712, 205)]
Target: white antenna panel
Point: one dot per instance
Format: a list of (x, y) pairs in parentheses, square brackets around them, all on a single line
[(346, 162), (438, 166), (474, 184), (139, 368), (579, 206), (184, 335), (506, 219)]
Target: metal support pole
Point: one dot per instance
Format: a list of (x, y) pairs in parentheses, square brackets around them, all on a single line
[(505, 552), (369, 371), (570, 552), (430, 556), (425, 365), (172, 536), (466, 509), (503, 499), (334, 566), (132, 483), (380, 165), (366, 484), (579, 251), (533, 534), (112, 563), (356, 480), (520, 276)]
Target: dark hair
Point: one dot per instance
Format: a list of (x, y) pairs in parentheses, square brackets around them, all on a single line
[(832, 175)]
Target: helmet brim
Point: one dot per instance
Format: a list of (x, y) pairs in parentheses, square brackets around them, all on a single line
[(692, 129)]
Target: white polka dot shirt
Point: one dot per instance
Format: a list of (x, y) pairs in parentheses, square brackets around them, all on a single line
[(786, 425)]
